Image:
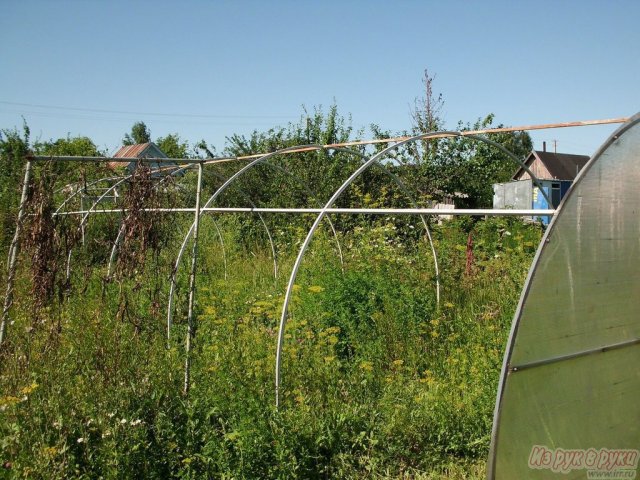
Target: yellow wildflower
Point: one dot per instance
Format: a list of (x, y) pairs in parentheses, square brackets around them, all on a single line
[(366, 366), (28, 389)]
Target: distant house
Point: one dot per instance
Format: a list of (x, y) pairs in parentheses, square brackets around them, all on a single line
[(556, 172), (140, 150)]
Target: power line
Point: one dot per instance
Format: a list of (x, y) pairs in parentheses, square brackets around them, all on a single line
[(156, 114), (240, 122)]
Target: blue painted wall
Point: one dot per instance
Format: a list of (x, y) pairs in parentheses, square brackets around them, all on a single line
[(540, 203)]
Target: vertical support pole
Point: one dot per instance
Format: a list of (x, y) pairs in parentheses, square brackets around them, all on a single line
[(192, 287), (13, 252), (82, 209)]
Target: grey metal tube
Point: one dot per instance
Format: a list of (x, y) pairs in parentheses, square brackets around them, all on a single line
[(13, 252), (264, 224), (191, 321), (215, 195), (118, 239), (68, 158), (474, 212), (334, 197), (92, 209)]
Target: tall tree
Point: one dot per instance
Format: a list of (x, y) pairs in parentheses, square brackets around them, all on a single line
[(427, 117), (463, 167), (140, 133)]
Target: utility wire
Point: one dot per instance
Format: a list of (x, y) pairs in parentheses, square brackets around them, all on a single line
[(125, 112)]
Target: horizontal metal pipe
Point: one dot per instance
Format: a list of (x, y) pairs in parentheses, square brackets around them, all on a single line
[(56, 158), (572, 355), (582, 123), (347, 211)]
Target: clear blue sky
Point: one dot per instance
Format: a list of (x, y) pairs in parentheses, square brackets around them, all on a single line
[(224, 67)]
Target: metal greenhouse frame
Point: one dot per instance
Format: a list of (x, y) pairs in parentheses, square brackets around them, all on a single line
[(322, 212)]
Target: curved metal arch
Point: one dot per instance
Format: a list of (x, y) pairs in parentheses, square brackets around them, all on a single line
[(425, 224), (260, 160), (66, 200), (598, 183), (183, 246), (224, 251), (118, 239), (93, 208), (375, 158), (264, 224), (216, 194), (314, 195), (403, 189)]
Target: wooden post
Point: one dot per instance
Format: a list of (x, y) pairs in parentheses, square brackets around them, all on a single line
[(13, 252), (191, 322)]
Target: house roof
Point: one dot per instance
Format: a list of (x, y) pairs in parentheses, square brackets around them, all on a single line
[(132, 151), (139, 150), (561, 166)]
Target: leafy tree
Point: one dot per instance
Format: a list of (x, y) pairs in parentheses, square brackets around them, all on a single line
[(462, 167), (140, 133), (471, 167), (323, 170), (312, 176), (173, 146), (72, 146), (205, 150)]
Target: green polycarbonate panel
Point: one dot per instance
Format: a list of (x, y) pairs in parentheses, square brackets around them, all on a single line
[(582, 403), (588, 276), (572, 374)]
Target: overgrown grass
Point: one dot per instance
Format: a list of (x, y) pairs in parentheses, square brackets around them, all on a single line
[(379, 382)]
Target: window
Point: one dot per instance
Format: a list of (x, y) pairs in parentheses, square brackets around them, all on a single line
[(555, 194)]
